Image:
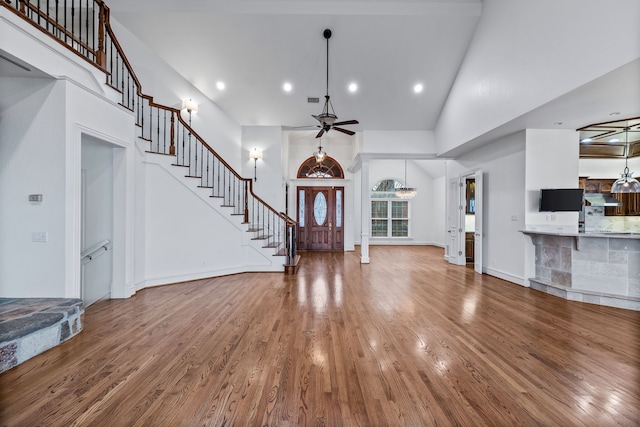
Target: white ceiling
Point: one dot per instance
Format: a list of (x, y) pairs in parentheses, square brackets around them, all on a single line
[(384, 46)]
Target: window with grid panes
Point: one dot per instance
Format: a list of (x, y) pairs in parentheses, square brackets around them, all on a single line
[(389, 215)]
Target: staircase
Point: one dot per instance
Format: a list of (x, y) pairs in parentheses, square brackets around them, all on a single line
[(83, 27)]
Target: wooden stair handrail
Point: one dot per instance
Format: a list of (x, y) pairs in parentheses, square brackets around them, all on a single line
[(104, 23), (149, 98)]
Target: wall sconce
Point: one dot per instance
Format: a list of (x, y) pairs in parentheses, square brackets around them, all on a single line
[(255, 154), (191, 106)]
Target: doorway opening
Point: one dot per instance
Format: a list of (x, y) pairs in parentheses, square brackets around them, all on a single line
[(469, 219), (464, 216), (97, 219)]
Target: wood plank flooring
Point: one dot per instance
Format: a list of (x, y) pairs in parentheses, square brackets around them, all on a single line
[(407, 340)]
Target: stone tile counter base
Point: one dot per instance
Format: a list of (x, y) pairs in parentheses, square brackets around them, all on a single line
[(595, 268), (30, 326)]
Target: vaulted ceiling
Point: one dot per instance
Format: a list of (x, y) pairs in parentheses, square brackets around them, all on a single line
[(385, 47)]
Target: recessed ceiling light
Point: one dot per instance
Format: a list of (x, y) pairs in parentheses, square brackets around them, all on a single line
[(287, 87), (586, 140), (418, 88), (558, 123), (614, 140), (353, 87), (220, 85), (615, 113)]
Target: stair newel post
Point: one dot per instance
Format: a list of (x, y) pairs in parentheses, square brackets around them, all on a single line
[(291, 243), (246, 201), (101, 55), (172, 147)]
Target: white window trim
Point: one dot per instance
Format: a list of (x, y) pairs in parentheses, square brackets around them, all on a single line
[(389, 218)]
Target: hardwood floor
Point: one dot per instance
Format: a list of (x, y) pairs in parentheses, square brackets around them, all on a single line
[(406, 340)]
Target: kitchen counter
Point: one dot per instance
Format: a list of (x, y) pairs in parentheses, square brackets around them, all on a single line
[(585, 234), (599, 268)]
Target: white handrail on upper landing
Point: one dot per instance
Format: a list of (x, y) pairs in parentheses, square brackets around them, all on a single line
[(95, 251)]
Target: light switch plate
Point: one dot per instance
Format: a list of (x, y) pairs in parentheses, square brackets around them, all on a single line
[(40, 236)]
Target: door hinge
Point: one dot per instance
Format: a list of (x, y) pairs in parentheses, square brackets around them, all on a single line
[(460, 184), (459, 252), (459, 230)]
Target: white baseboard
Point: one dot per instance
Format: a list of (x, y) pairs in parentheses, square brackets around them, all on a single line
[(508, 277), (169, 280), (400, 242)]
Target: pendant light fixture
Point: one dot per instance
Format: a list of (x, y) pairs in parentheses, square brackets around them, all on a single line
[(626, 183), (406, 192), (320, 155)]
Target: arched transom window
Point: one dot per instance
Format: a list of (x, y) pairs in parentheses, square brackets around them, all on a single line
[(328, 168)]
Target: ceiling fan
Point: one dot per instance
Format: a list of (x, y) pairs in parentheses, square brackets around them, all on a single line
[(328, 118)]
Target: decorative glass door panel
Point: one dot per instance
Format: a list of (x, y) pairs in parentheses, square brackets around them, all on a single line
[(320, 209)]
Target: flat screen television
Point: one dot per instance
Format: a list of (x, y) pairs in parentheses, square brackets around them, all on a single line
[(561, 199)]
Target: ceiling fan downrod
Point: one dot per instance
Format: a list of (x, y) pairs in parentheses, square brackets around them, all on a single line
[(327, 36)]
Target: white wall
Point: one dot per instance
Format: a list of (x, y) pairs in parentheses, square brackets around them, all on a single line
[(398, 142), (558, 170), (41, 136), (522, 56), (186, 237), (270, 183), (169, 88), (503, 166), (32, 161)]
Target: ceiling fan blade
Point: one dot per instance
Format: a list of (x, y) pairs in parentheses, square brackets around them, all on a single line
[(320, 133), (347, 122), (308, 127), (348, 132)]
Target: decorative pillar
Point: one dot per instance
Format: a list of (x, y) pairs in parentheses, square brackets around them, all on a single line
[(365, 223)]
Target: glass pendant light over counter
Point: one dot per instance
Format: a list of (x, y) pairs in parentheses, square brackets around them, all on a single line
[(626, 183)]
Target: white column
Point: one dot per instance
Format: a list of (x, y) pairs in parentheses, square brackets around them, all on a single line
[(365, 197)]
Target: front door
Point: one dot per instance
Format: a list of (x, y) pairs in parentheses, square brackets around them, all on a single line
[(321, 218)]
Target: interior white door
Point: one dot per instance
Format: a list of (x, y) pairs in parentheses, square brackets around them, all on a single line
[(478, 237), (454, 230)]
